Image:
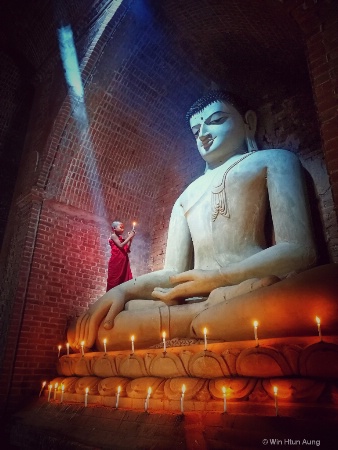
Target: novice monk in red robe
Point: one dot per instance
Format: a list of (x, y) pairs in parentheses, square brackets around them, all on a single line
[(119, 267)]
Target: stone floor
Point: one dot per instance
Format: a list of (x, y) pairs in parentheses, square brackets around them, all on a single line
[(50, 426)]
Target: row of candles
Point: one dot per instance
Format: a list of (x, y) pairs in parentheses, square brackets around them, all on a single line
[(205, 331), (146, 402)]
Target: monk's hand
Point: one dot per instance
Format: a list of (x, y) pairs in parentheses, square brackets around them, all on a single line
[(189, 284)]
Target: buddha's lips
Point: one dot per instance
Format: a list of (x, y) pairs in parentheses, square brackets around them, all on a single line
[(207, 144)]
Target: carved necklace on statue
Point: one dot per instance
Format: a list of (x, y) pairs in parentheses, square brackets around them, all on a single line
[(219, 204)]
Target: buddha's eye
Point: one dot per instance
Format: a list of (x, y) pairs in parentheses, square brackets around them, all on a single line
[(218, 121)]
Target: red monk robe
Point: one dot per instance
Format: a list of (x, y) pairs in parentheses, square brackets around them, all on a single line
[(118, 267)]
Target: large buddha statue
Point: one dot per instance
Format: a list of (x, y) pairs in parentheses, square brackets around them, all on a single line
[(221, 270)]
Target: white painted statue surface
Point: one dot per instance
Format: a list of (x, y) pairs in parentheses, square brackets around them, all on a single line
[(217, 252)]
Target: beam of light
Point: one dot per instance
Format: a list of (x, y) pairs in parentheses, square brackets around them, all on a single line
[(76, 95), (72, 74), (70, 61)]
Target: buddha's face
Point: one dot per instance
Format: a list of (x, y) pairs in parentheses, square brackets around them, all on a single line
[(220, 132)]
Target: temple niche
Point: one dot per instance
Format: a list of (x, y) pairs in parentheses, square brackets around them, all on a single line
[(110, 141)]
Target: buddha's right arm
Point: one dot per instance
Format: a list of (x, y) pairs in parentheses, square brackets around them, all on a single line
[(178, 259)]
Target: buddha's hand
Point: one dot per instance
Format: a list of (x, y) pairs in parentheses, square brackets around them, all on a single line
[(190, 284), (105, 309)]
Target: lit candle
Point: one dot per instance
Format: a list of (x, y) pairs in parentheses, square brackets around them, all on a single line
[(118, 397), (82, 348), (134, 223), (224, 390), (132, 344), (67, 345), (255, 331), (164, 344), (62, 392), (146, 403), (182, 398), (55, 390), (319, 329), (59, 347), (105, 345), (275, 391), (86, 396), (42, 386), (205, 338), (49, 391)]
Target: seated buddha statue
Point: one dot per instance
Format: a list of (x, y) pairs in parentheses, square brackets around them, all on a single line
[(221, 271)]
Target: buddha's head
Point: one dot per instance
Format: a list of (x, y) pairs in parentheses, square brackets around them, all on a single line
[(223, 126)]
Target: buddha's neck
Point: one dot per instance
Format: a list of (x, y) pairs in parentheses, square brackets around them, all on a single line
[(214, 165)]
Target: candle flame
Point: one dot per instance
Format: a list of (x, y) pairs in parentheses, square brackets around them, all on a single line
[(44, 383), (132, 338), (205, 331), (87, 390), (163, 334), (224, 390), (62, 387), (119, 389), (56, 385), (59, 347), (255, 324), (104, 341), (67, 344), (318, 320), (149, 390), (134, 223), (183, 388), (50, 387), (275, 390), (82, 343)]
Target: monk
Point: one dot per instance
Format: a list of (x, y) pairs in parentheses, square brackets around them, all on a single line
[(220, 269)]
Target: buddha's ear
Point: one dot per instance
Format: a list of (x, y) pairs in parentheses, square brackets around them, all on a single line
[(250, 119)]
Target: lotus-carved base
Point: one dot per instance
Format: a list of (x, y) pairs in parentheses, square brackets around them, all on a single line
[(305, 371)]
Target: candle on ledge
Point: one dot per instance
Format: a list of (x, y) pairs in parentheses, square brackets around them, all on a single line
[(55, 390), (118, 397), (319, 329), (275, 391), (134, 223), (67, 345), (132, 344), (255, 324), (49, 391), (224, 390), (146, 403), (59, 347), (82, 348), (205, 338), (164, 343), (62, 392), (105, 345), (42, 386), (86, 396), (182, 398)]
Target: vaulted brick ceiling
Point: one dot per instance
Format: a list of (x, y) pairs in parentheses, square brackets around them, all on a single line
[(227, 40)]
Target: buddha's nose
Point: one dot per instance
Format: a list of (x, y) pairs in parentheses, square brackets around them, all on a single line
[(203, 133)]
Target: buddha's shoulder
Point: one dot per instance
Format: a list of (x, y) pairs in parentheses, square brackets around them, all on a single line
[(274, 155)]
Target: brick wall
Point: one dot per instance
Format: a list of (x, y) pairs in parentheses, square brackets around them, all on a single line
[(318, 21)]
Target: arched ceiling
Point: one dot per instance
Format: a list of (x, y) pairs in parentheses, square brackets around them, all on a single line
[(226, 39), (252, 46)]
